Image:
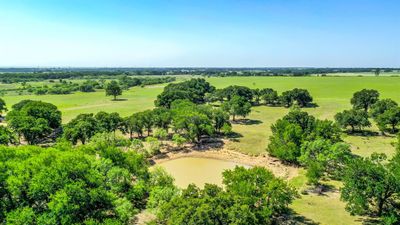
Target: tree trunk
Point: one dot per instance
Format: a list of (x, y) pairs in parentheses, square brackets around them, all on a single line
[(233, 117), (131, 135), (115, 97)]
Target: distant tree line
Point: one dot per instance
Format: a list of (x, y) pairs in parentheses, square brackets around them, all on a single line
[(14, 75)]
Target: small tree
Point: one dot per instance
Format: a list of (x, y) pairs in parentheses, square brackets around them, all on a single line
[(356, 119), (364, 99), (237, 106), (7, 136), (3, 107), (391, 118), (81, 128), (113, 89), (270, 96)]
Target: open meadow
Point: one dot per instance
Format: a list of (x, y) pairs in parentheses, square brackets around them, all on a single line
[(331, 94)]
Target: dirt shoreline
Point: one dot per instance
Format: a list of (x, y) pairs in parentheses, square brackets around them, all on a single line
[(273, 164)]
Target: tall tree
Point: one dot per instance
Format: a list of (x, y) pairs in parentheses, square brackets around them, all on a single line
[(356, 119), (237, 106), (113, 89), (364, 99), (81, 128)]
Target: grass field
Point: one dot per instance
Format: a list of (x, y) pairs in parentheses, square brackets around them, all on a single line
[(332, 94)]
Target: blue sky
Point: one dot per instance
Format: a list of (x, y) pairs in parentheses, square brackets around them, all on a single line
[(215, 33)]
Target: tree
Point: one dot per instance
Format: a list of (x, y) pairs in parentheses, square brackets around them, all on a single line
[(237, 106), (322, 157), (7, 136), (270, 96), (3, 107), (377, 71), (132, 124), (353, 118), (241, 91), (147, 120), (301, 96), (162, 118), (391, 118), (194, 120), (108, 122), (252, 196), (220, 118), (34, 120), (113, 89), (381, 106), (370, 185), (71, 185), (81, 128), (295, 128), (193, 90), (364, 99)]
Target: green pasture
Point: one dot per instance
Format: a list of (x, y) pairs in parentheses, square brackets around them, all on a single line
[(332, 94)]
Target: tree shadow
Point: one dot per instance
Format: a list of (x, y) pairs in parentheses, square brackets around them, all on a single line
[(234, 135), (247, 122), (362, 133), (311, 105), (293, 218), (119, 100)]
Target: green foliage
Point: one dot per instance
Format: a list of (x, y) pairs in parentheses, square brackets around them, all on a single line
[(251, 196), (300, 96), (270, 96), (34, 120), (113, 89), (297, 127), (237, 106), (241, 91), (178, 140), (356, 119), (191, 119), (161, 134), (381, 106), (322, 157), (132, 124), (81, 128), (7, 136), (220, 119), (108, 122), (364, 99), (162, 188), (153, 146), (193, 90), (372, 186), (70, 186), (3, 107), (391, 118)]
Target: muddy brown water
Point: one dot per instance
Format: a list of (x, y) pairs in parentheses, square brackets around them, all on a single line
[(197, 170)]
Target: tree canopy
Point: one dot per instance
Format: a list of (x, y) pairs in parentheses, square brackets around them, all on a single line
[(113, 89), (61, 185), (34, 120), (364, 99), (251, 196)]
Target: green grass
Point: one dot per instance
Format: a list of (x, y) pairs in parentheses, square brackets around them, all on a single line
[(131, 101), (332, 94)]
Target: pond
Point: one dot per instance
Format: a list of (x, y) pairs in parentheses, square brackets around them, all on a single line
[(197, 170)]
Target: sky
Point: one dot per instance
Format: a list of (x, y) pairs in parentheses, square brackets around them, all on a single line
[(206, 33)]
